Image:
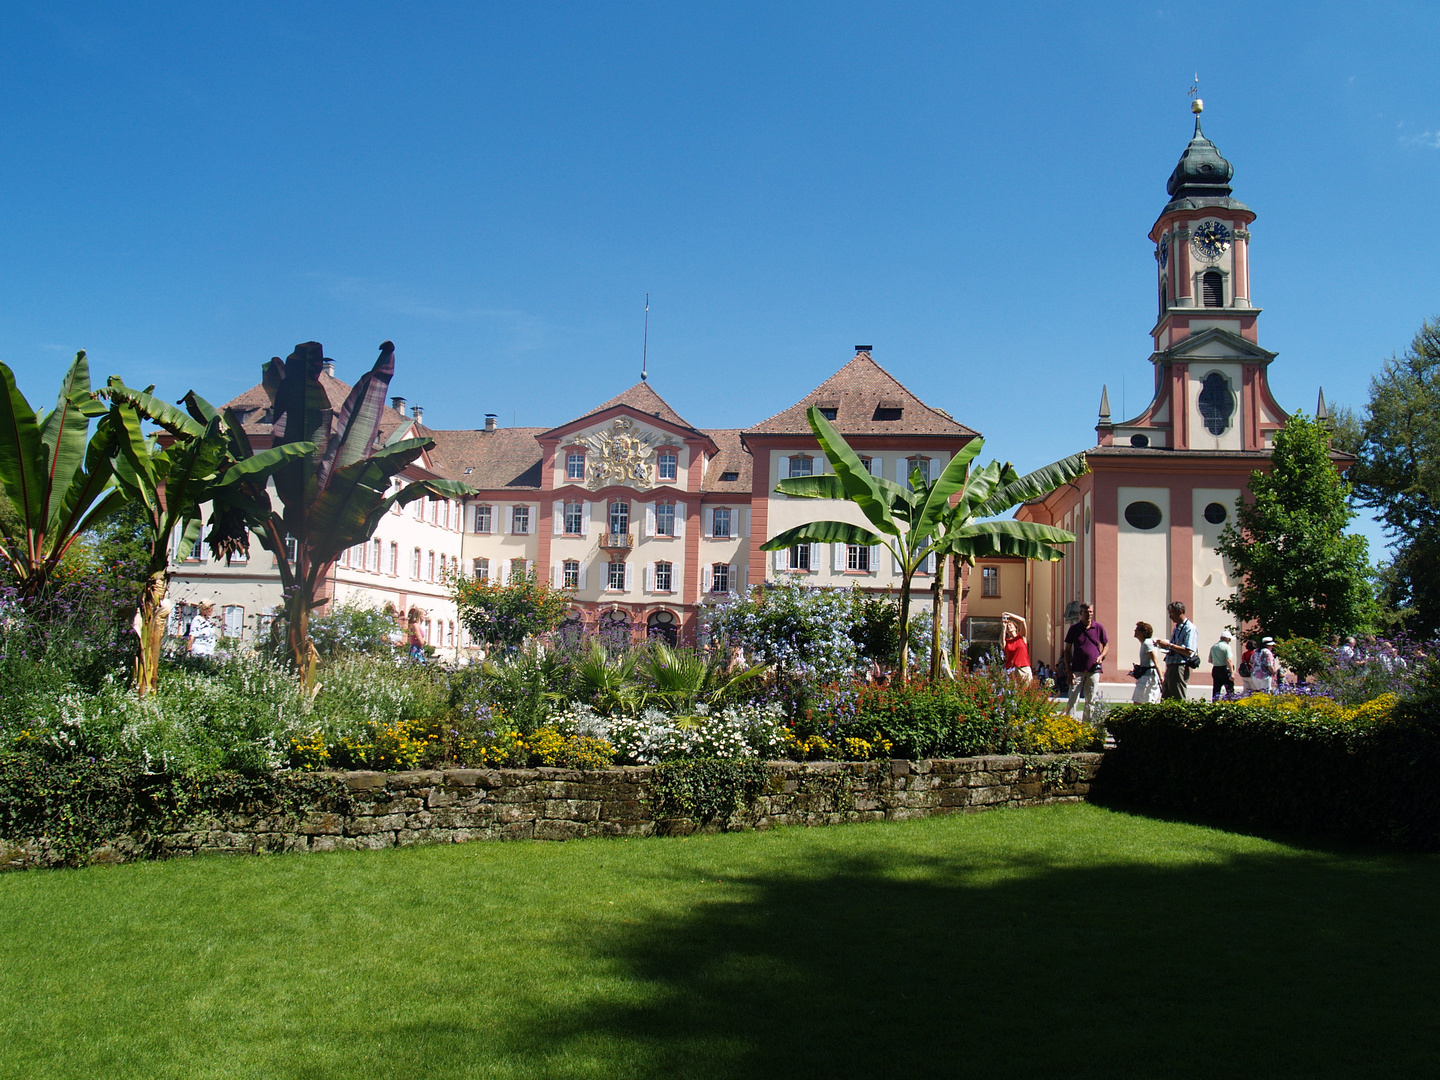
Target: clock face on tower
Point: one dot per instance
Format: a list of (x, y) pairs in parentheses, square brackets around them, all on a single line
[(1210, 240), (1164, 251)]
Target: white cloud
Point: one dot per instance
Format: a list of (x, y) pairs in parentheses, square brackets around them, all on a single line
[(1429, 139)]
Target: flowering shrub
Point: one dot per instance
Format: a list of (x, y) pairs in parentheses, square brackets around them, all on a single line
[(351, 629), (986, 713), (736, 731), (507, 614), (1315, 708)]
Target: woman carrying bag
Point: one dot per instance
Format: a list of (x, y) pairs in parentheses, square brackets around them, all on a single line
[(1147, 672)]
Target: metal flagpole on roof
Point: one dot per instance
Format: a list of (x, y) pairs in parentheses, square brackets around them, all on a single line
[(645, 349)]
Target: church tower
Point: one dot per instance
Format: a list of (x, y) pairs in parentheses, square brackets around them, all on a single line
[(1163, 484), (1211, 386)]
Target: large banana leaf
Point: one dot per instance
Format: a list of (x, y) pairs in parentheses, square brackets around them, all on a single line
[(860, 487), (1013, 492), (162, 413), (358, 424), (22, 453), (824, 486), (937, 497), (985, 545), (1032, 530), (63, 434), (823, 532)]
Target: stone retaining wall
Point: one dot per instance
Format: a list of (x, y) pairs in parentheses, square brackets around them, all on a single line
[(459, 805)]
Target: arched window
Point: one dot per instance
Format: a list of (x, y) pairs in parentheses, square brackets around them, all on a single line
[(1217, 403), (1212, 289)]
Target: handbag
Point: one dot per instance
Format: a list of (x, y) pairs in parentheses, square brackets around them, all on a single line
[(1193, 661), (1245, 669)]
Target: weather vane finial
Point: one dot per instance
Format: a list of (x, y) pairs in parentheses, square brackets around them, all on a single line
[(1197, 106)]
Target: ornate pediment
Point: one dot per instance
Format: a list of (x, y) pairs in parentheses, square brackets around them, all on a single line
[(621, 454), (1216, 344)]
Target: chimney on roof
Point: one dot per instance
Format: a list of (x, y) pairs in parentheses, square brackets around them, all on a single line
[(398, 404), (864, 348), (329, 367), (419, 411), (489, 421)]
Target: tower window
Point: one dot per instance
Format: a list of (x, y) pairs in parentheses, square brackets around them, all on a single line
[(1212, 289), (1217, 403)]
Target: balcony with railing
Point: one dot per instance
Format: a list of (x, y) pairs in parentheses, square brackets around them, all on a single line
[(616, 541)]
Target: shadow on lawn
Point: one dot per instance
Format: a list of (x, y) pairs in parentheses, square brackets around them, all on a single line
[(1305, 965)]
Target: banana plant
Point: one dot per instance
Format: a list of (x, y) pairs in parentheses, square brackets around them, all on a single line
[(172, 479), (335, 498), (917, 521), (57, 477)]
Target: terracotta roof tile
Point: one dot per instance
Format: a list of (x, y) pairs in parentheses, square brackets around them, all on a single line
[(732, 458), (642, 398), (503, 459), (857, 392)]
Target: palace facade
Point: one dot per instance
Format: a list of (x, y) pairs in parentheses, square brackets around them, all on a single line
[(645, 518)]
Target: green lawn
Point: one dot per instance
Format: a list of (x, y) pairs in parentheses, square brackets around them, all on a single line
[(1054, 942)]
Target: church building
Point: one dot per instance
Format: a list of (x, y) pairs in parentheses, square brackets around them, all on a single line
[(1163, 483)]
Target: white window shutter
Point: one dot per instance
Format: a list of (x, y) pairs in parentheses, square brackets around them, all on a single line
[(650, 577), (557, 517), (734, 582), (506, 516), (585, 517), (875, 550), (582, 575), (707, 518), (649, 519), (705, 579), (679, 519), (784, 468), (894, 565), (629, 577), (814, 556), (529, 567), (901, 474), (555, 575), (782, 559), (930, 563), (839, 561), (877, 466), (746, 512)]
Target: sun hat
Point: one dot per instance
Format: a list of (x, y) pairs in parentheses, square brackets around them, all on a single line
[(1267, 641)]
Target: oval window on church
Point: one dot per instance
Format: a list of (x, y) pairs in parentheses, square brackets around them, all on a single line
[(1141, 441), (1217, 403), (1143, 515), (1216, 513)]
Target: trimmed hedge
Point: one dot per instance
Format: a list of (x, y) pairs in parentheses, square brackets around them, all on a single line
[(1279, 769)]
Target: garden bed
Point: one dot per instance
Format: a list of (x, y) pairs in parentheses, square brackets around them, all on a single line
[(366, 810)]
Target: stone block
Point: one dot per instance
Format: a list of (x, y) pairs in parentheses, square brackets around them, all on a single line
[(364, 826), (439, 797), (321, 824), (464, 778), (988, 796), (509, 814), (560, 830), (899, 767), (373, 842), (571, 810), (360, 782)]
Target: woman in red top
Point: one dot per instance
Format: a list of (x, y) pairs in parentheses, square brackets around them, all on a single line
[(1017, 654)]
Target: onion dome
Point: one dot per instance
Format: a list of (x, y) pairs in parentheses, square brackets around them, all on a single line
[(1201, 177)]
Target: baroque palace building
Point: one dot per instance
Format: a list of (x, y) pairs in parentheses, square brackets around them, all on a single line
[(646, 518)]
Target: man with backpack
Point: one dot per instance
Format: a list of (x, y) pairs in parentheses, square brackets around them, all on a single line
[(1180, 655)]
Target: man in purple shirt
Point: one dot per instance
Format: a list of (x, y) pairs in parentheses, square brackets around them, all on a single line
[(1085, 647)]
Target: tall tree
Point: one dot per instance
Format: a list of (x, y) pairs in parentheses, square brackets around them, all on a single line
[(1397, 474), (171, 480), (335, 498), (1300, 573), (926, 518)]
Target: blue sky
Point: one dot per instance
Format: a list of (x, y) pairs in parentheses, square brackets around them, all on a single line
[(190, 189)]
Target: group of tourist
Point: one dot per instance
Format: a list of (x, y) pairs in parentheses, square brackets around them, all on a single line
[(1163, 672)]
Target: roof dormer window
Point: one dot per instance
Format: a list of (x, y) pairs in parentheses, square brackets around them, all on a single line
[(888, 412), (829, 412)]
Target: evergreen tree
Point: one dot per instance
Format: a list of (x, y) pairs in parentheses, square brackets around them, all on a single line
[(1397, 474), (1300, 573)]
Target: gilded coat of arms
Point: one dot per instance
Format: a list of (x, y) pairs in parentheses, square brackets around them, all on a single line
[(622, 455)]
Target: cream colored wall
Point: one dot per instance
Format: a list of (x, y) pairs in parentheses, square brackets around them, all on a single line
[(1143, 563), (1200, 437), (786, 513), (1214, 579), (654, 436)]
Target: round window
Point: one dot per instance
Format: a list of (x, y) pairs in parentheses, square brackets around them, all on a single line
[(1141, 441), (1215, 513), (1143, 515)]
